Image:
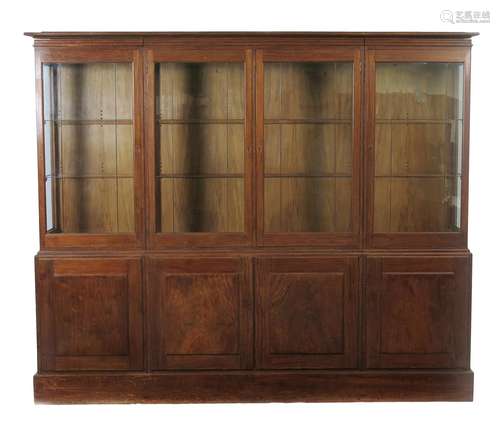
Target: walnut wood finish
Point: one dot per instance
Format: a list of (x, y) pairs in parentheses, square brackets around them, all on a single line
[(306, 312), (201, 313), (417, 312), (261, 254), (90, 314), (255, 387)]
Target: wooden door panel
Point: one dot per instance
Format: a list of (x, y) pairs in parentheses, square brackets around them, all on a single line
[(417, 312), (82, 307), (90, 311), (200, 313), (306, 302), (307, 312)]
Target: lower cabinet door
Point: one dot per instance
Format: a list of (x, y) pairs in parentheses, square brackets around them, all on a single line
[(417, 312), (200, 313), (307, 312), (89, 314)]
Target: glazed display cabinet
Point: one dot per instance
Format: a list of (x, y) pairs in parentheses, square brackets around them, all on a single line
[(244, 217)]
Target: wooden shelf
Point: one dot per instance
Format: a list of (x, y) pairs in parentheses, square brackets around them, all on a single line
[(90, 122), (416, 121), (200, 121), (307, 121), (309, 175), (92, 176), (419, 176), (201, 176)]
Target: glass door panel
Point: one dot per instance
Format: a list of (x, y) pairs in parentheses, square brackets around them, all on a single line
[(308, 109), (418, 147), (200, 147), (88, 147)]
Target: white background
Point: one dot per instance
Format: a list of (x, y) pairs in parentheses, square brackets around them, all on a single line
[(18, 201)]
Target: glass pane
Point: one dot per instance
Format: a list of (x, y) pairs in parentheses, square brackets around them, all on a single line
[(89, 145), (200, 147), (418, 147), (308, 111)]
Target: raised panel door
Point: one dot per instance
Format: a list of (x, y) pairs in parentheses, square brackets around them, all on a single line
[(417, 312), (306, 312), (200, 313), (89, 314)]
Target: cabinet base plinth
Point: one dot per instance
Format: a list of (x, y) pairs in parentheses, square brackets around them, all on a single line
[(253, 387)]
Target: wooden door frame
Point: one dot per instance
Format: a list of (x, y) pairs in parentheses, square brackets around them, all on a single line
[(68, 55), (413, 240), (330, 54)]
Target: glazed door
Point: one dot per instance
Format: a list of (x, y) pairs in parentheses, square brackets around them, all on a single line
[(308, 146), (307, 312), (90, 147), (89, 314), (417, 147), (200, 313), (199, 141), (418, 312)]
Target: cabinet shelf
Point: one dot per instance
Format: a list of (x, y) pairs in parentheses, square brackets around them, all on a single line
[(199, 121), (307, 175), (307, 121), (416, 121), (418, 176), (89, 122), (200, 176), (62, 177)]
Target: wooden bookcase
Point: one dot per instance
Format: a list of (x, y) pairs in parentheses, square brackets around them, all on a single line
[(242, 217)]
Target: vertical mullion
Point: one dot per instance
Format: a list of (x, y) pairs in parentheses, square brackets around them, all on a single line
[(116, 156)]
